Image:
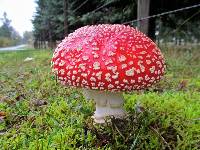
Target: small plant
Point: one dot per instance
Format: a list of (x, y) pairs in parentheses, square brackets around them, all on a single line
[(38, 113)]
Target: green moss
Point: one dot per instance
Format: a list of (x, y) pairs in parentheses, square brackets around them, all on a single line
[(169, 113)]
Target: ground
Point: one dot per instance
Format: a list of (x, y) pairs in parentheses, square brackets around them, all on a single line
[(38, 113)]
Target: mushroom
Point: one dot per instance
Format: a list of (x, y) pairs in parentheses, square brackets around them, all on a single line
[(107, 60)]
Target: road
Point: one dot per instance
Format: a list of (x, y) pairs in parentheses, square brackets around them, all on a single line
[(18, 47)]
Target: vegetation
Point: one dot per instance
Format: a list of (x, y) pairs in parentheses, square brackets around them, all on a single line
[(53, 20), (28, 38), (38, 113), (8, 35)]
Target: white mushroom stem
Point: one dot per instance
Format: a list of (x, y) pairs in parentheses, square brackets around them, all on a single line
[(107, 104)]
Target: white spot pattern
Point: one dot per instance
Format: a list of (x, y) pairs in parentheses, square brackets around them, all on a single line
[(139, 63)]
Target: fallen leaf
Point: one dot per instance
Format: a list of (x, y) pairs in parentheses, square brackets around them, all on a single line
[(2, 113), (182, 85), (39, 102), (2, 116), (19, 97)]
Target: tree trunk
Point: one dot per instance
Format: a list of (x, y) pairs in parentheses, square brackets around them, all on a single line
[(152, 29), (50, 38), (152, 21), (35, 44), (143, 11), (65, 10)]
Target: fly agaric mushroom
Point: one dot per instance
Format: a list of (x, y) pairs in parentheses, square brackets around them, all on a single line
[(107, 60)]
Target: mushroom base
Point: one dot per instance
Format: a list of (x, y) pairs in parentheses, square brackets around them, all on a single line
[(107, 104)]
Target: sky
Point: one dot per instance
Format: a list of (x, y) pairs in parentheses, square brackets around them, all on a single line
[(20, 12)]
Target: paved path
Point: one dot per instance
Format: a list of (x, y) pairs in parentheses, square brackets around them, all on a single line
[(18, 47)]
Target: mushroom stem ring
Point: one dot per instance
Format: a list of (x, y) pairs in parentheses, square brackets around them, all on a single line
[(107, 104)]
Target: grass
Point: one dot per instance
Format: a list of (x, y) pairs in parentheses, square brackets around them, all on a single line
[(38, 113)]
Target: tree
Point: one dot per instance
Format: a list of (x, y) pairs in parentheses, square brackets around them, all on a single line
[(65, 12), (54, 19), (5, 30), (8, 35), (172, 21), (27, 37), (49, 22)]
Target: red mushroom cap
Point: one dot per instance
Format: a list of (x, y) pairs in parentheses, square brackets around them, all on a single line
[(108, 57)]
